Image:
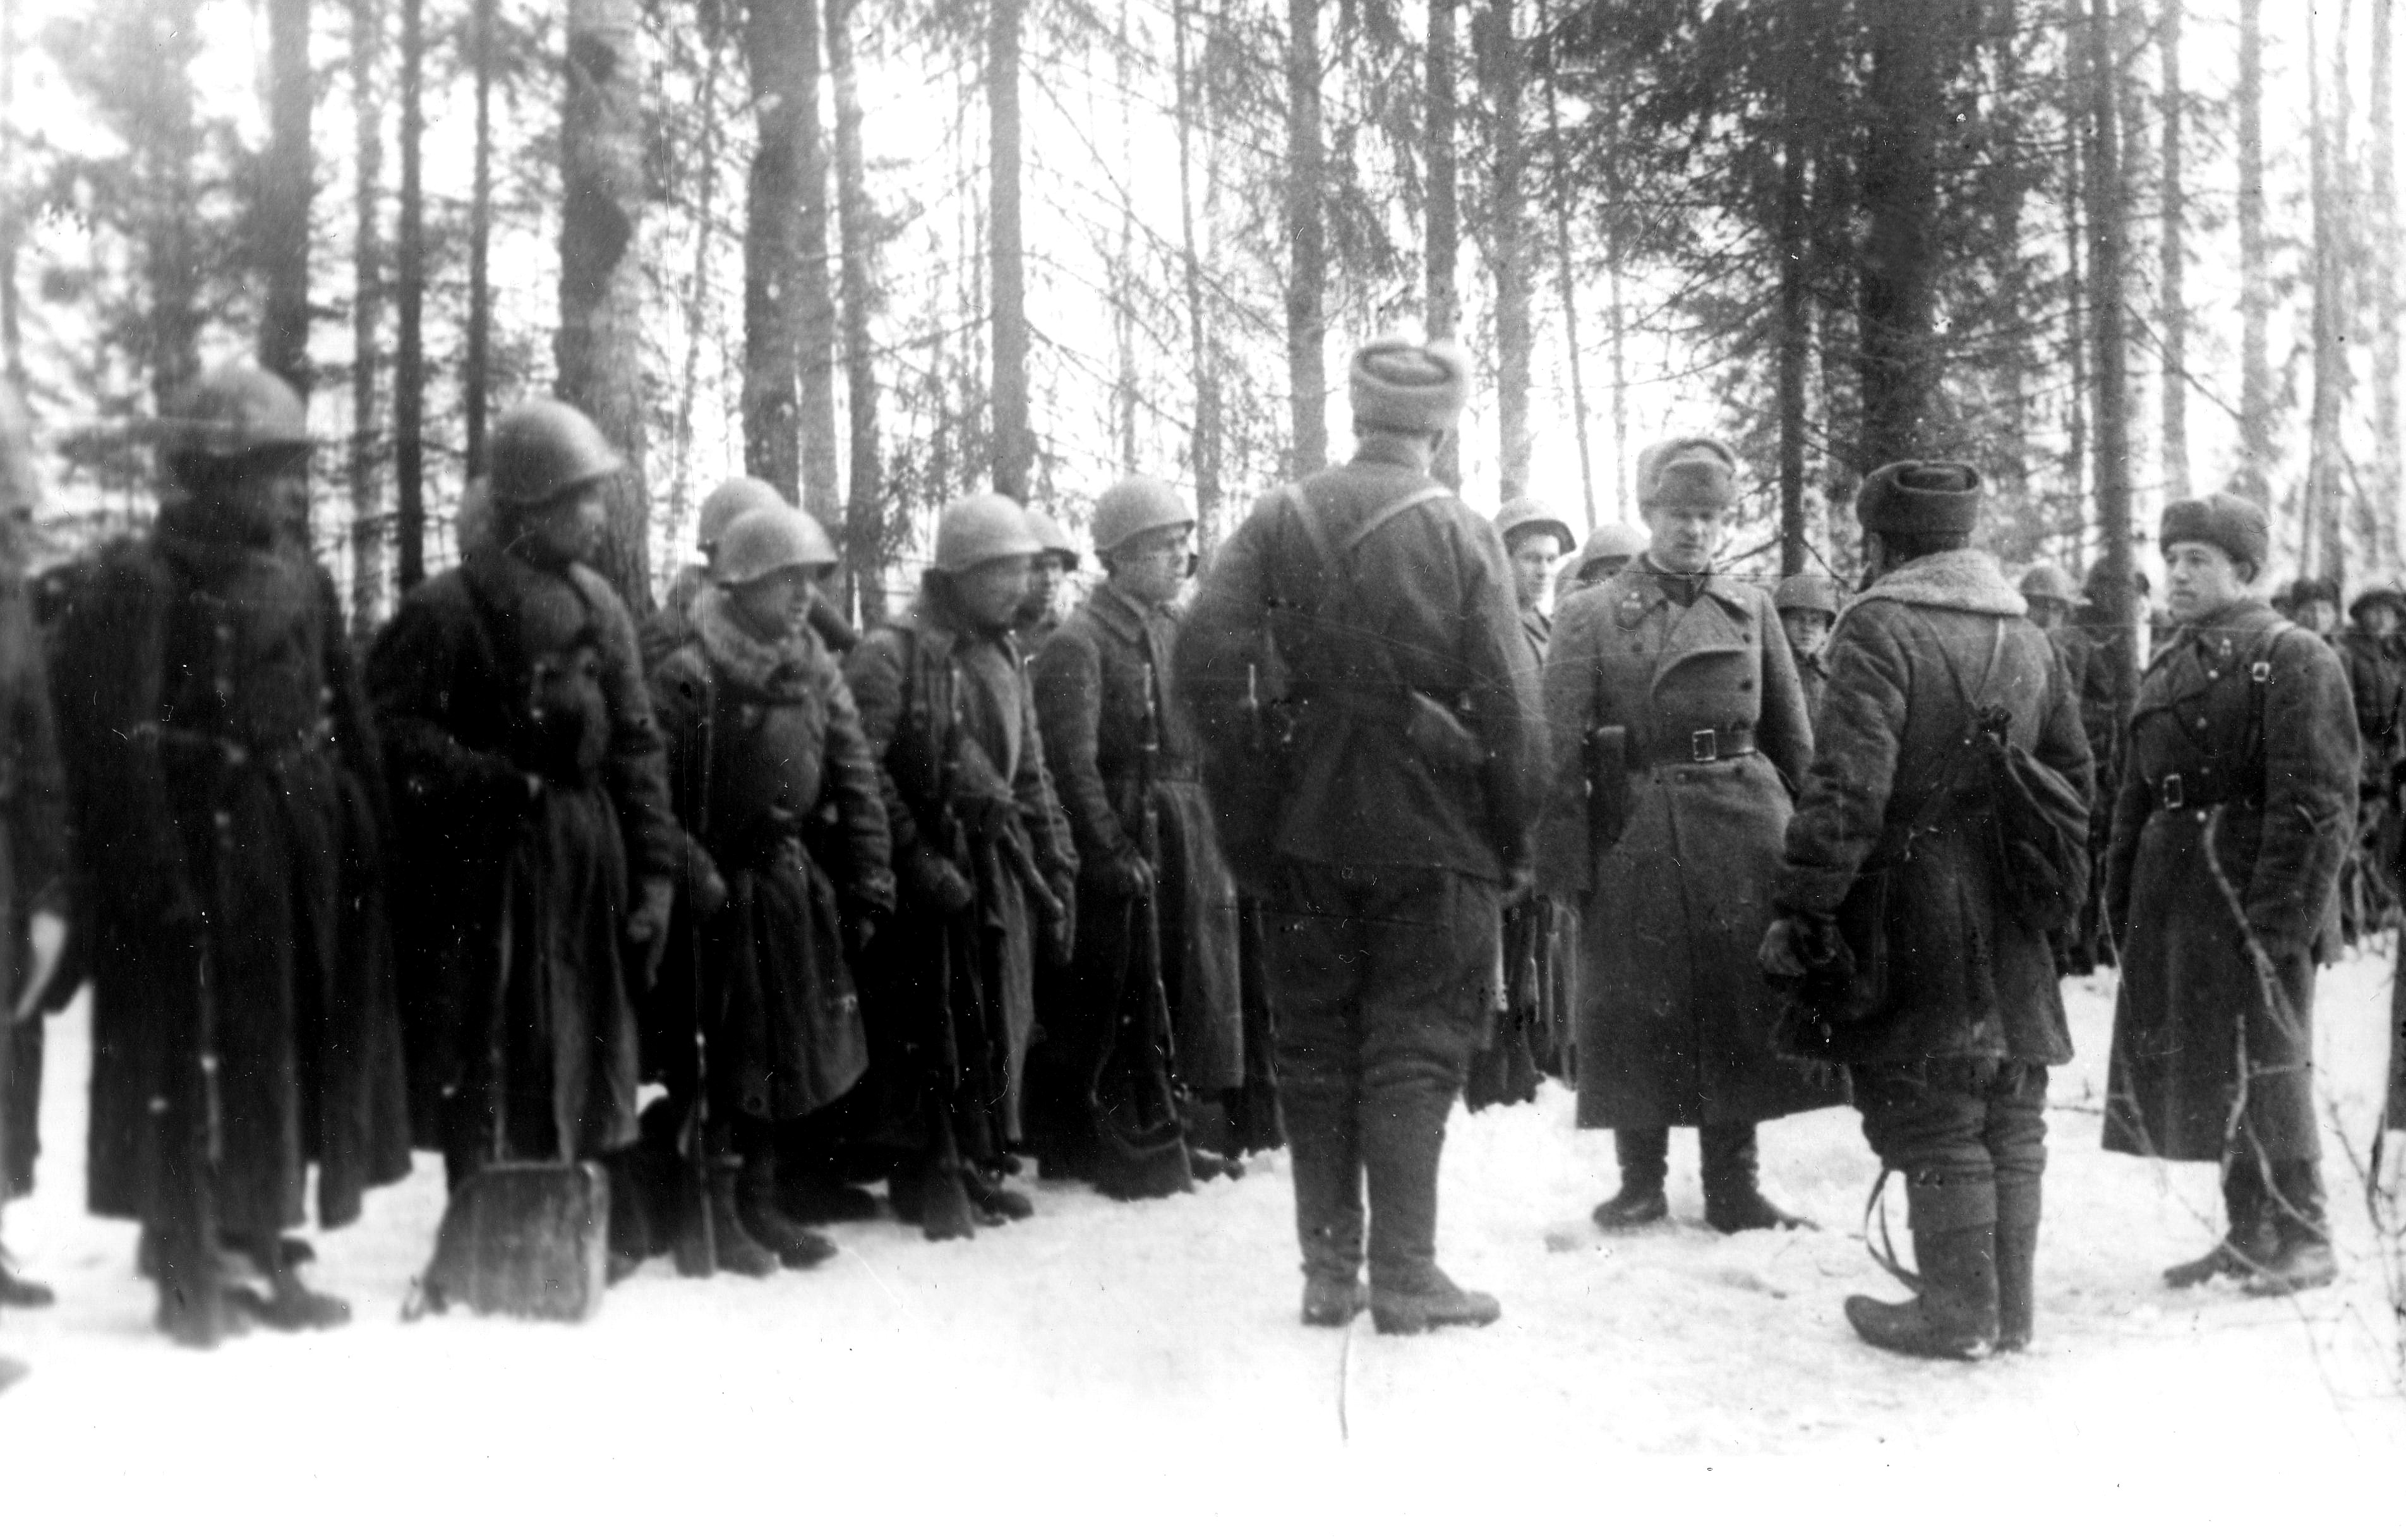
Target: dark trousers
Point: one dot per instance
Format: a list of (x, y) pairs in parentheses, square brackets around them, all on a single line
[(1726, 1151), (1379, 978), (1969, 1136)]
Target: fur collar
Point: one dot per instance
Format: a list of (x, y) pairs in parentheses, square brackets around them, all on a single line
[(1951, 580), (768, 668)]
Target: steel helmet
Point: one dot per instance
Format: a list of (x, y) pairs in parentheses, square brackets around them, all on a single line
[(542, 448), (1607, 541), (2049, 582), (1134, 505), (2378, 594), (982, 527), (768, 540), (1805, 591), (731, 501), (234, 410), (1049, 533), (1529, 514), (20, 482)]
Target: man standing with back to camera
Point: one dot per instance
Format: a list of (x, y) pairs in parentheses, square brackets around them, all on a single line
[(1368, 616)]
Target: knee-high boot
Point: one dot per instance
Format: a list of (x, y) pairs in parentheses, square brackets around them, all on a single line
[(1955, 1244), (1403, 1140), (2017, 1211), (1325, 1154)]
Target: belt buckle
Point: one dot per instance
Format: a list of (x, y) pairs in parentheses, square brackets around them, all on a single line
[(1704, 745), (2172, 796)]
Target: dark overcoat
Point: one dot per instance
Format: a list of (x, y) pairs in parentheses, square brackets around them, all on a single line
[(32, 864), (227, 784), (1676, 1022), (1894, 788), (516, 897), (946, 707), (2236, 808), (1104, 672), (1357, 792), (793, 823)]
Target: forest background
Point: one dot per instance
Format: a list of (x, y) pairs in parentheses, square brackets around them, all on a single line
[(884, 251)]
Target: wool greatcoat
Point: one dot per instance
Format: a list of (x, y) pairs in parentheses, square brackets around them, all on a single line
[(1103, 673), (793, 822), (227, 783), (951, 997), (1676, 1021), (1966, 980), (2244, 735), (515, 898)]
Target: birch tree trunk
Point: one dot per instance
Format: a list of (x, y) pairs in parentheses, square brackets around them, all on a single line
[(815, 324), (598, 348), (1568, 292), (772, 249), (476, 377), (1203, 452), (1509, 243), (2254, 478), (1444, 235), (2387, 492), (2326, 546)]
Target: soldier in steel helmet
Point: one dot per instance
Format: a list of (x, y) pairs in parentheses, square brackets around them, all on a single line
[(1678, 724), (2236, 809), (2370, 650), (1369, 722), (1122, 752), (1807, 603), (1533, 1021), (225, 773), (777, 794), (983, 863), (531, 791), (34, 866), (671, 625), (1610, 547), (1039, 612)]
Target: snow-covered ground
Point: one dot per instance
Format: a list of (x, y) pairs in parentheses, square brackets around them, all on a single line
[(1054, 1361)]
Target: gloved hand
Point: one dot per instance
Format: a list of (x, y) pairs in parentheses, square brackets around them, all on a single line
[(936, 883), (647, 928), (1779, 956), (1124, 874)]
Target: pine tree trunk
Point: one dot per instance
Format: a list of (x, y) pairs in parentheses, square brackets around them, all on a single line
[(1444, 211), (2012, 267), (2388, 490), (2172, 305), (12, 339), (1014, 442), (1795, 336), (2326, 551), (163, 169), (598, 348), (409, 349), (1203, 453), (365, 466), (1567, 289), (2107, 234), (2079, 137), (771, 250), (1307, 238), (1508, 241), (1895, 268), (476, 376), (1123, 290), (2254, 478), (283, 212), (815, 324), (864, 542)]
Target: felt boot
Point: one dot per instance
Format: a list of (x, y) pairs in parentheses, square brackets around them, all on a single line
[(2018, 1209), (1955, 1245)]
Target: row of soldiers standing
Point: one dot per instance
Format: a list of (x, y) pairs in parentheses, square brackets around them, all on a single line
[(476, 892)]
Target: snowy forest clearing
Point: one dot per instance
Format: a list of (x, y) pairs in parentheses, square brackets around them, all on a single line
[(1155, 1336)]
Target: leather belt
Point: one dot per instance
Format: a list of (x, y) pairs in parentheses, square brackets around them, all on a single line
[(2203, 788), (1702, 746)]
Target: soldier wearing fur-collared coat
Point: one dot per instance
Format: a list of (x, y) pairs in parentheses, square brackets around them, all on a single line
[(1677, 726), (2236, 807), (531, 794)]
